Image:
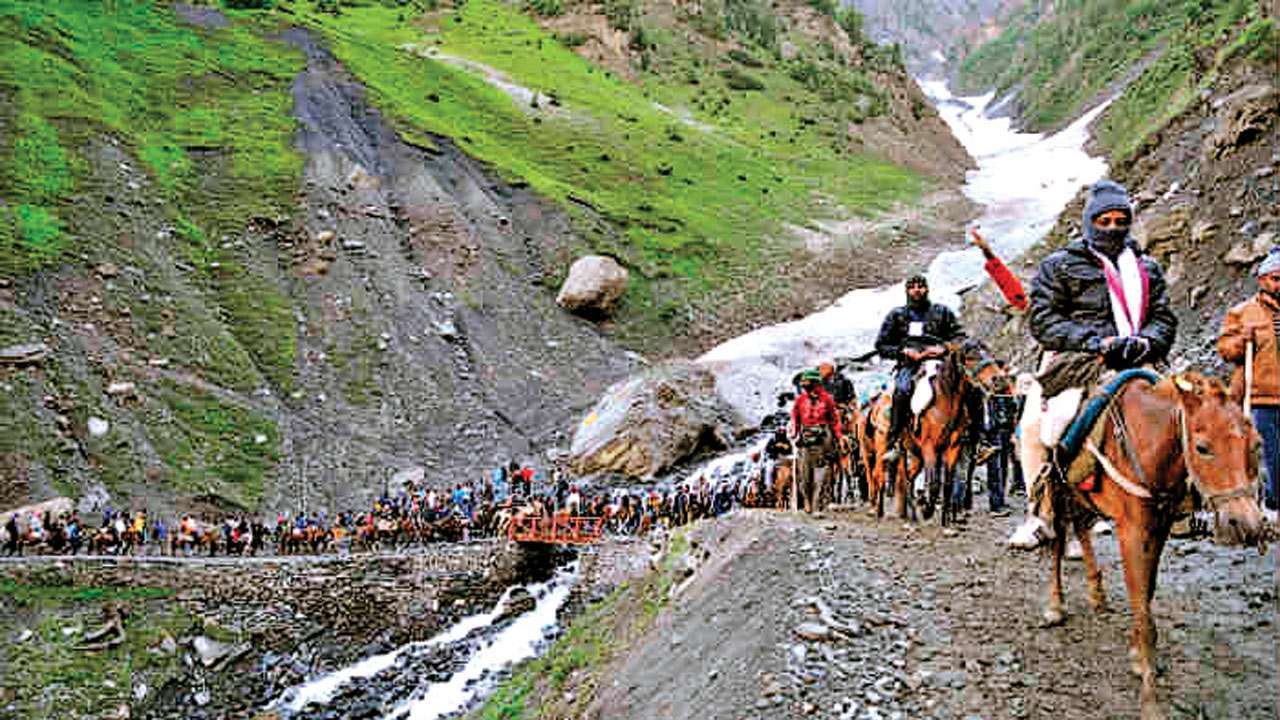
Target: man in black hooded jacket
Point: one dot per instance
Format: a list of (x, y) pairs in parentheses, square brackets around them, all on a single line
[(1097, 304)]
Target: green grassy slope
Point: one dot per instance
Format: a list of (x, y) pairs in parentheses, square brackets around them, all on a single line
[(133, 138), (1062, 53), (695, 197)]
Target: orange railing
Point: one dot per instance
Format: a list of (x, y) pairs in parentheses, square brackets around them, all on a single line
[(570, 530)]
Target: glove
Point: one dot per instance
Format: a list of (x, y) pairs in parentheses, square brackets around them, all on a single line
[(1133, 349)]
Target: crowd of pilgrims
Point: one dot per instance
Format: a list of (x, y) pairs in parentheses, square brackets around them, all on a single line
[(413, 515)]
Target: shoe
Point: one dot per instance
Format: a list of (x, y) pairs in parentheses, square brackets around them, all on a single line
[(1102, 527), (1031, 534), (1272, 516), (1074, 550), (892, 455), (1000, 512)]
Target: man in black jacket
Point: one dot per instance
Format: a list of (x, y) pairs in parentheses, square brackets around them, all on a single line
[(1097, 304), (910, 335)]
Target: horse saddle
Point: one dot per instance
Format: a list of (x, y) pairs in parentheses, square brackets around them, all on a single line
[(922, 394)]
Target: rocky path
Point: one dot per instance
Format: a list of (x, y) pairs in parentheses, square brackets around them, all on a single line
[(845, 617)]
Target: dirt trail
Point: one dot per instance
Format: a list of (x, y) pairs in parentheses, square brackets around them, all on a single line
[(938, 627)]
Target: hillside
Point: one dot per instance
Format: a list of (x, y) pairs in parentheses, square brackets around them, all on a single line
[(259, 258), (935, 34), (1195, 138), (1060, 56)]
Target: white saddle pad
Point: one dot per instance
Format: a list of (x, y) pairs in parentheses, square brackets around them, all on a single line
[(1058, 414), (922, 395)]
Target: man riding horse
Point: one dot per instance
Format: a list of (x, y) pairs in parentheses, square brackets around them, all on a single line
[(1098, 304), (910, 335)]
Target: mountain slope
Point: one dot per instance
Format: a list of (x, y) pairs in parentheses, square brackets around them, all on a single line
[(276, 255), (1195, 138)]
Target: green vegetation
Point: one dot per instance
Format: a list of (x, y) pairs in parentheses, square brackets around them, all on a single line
[(206, 112), (692, 205), (1061, 54), (48, 675), (212, 447), (592, 640)]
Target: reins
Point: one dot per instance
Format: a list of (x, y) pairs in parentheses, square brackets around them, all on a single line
[(1141, 489)]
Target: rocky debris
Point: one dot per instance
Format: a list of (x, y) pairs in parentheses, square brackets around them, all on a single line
[(98, 427), (1161, 232), (1249, 251), (121, 389), (594, 284), (650, 422), (1241, 117), (26, 354)]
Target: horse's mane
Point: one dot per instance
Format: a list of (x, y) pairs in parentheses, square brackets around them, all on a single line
[(1206, 386)]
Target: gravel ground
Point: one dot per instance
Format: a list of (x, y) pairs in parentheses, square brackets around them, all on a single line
[(847, 617)]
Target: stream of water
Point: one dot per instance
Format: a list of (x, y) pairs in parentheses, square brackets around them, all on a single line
[(1022, 181)]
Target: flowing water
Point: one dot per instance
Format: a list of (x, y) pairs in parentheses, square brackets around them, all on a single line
[(518, 641), (1022, 181)]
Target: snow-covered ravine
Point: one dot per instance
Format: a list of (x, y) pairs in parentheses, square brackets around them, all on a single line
[(1023, 181), (445, 674)]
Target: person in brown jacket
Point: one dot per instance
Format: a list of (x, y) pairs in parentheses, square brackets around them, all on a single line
[(1257, 321)]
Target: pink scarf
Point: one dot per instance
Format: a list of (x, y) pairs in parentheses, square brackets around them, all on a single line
[(1129, 287)]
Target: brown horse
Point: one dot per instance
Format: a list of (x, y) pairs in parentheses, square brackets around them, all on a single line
[(873, 441), (783, 476), (1182, 434), (937, 436)]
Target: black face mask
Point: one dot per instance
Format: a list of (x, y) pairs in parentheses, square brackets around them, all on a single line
[(1109, 242)]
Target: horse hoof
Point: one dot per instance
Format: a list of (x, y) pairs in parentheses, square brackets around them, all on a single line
[(1053, 616)]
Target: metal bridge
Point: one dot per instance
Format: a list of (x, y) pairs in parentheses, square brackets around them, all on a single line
[(557, 530)]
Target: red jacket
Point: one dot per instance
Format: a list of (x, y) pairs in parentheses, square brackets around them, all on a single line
[(807, 412), (1007, 282)]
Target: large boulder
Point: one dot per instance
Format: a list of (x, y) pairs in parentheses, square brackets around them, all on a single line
[(648, 423), (594, 285)]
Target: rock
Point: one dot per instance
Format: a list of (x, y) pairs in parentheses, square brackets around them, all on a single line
[(652, 421), (117, 389), (447, 330), (24, 636), (788, 50), (325, 236), (98, 427), (26, 354), (1159, 233), (813, 631), (352, 245), (210, 651), (1204, 232), (594, 284), (1242, 117), (107, 270), (1246, 252)]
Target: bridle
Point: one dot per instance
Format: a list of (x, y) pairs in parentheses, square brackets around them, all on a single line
[(1250, 489)]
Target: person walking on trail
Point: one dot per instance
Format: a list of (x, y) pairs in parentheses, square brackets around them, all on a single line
[(1098, 304), (1000, 274), (910, 335), (1002, 416), (815, 428), (1255, 325)]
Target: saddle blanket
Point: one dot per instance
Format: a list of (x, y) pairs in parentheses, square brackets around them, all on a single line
[(922, 394)]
